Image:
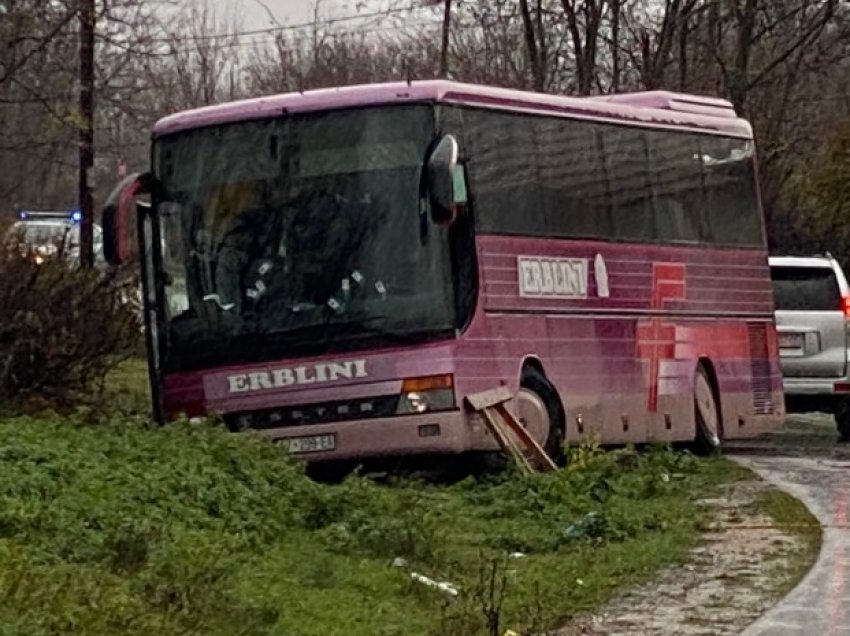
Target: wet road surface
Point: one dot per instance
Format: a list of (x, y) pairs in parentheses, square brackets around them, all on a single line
[(820, 604)]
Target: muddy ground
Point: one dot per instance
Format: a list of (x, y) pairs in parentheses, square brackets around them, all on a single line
[(738, 572)]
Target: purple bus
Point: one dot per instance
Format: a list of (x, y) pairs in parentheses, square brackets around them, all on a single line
[(340, 268)]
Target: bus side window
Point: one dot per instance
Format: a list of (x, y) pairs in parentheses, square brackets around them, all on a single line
[(503, 172), (677, 186), (461, 233), (629, 182), (730, 194), (675, 222), (571, 178)]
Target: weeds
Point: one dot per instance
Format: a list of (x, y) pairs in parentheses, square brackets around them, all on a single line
[(62, 328), (480, 611), (191, 529)]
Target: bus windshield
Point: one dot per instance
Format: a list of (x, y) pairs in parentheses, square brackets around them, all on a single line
[(308, 230)]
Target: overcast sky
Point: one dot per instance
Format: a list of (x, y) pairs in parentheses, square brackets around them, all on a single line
[(255, 16)]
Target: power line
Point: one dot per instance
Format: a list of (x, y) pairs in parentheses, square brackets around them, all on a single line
[(236, 35), (186, 46), (302, 37), (182, 43), (295, 27)]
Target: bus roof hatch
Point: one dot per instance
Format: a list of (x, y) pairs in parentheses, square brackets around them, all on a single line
[(679, 102)]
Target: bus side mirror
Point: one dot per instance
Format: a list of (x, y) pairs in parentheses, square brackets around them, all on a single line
[(118, 231), (446, 182)]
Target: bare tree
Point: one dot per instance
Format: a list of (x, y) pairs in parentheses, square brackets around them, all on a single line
[(584, 21), (535, 42), (785, 64), (444, 46)]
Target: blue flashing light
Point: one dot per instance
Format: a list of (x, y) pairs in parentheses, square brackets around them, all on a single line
[(24, 215), (76, 216)]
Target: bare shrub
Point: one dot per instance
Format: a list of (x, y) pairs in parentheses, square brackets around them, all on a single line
[(62, 328)]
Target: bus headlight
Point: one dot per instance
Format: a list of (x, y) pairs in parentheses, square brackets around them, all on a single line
[(417, 402), (426, 394)]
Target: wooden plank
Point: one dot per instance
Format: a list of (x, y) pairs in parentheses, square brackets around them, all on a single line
[(541, 456), (507, 444), (511, 436), (491, 397), (498, 432)]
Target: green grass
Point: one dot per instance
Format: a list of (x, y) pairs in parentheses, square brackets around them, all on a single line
[(117, 527), (127, 388), (792, 516), (130, 377)]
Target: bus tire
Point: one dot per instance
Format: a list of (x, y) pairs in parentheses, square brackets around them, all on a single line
[(709, 425), (535, 388)]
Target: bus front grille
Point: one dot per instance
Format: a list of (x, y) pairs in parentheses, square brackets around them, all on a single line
[(317, 413)]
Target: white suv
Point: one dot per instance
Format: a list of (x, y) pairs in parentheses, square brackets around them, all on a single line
[(813, 319)]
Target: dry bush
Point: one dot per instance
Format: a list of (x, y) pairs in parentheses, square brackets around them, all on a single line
[(62, 328)]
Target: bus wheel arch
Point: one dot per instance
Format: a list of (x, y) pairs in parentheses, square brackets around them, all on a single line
[(538, 400), (708, 412)]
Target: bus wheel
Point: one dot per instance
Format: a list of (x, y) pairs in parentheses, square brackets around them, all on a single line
[(540, 412), (707, 413)]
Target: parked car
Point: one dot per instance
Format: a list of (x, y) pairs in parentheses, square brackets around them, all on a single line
[(45, 234), (813, 320)]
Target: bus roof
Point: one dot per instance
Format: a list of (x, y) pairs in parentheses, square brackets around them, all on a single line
[(653, 108)]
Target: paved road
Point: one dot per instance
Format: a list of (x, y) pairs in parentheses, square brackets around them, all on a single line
[(820, 604)]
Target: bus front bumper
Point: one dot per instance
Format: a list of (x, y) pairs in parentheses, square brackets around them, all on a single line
[(448, 432)]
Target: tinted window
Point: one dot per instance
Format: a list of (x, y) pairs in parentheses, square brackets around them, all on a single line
[(549, 176), (730, 198), (626, 156), (805, 289), (571, 178), (503, 170), (677, 187)]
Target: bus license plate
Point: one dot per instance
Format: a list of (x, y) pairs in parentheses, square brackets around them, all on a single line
[(311, 444)]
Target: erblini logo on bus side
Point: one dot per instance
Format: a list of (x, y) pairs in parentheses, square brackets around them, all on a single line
[(541, 277), (294, 376)]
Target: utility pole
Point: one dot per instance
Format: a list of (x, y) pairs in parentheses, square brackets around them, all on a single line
[(444, 50), (86, 138)]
